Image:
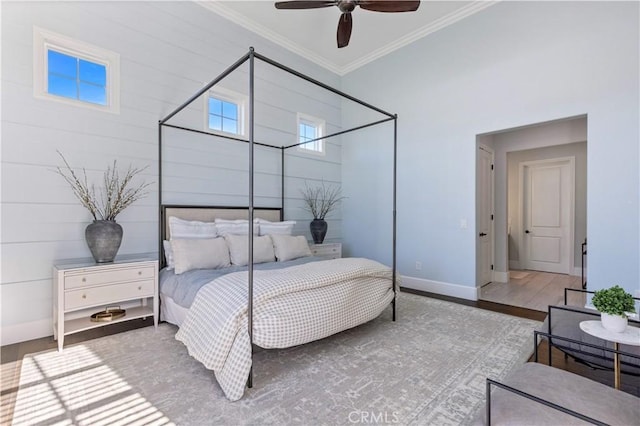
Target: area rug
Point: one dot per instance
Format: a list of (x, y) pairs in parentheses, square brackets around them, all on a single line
[(427, 368)]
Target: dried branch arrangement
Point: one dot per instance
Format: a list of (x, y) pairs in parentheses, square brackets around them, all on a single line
[(114, 196), (320, 200)]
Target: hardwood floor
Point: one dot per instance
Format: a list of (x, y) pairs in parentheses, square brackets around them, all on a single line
[(533, 290)]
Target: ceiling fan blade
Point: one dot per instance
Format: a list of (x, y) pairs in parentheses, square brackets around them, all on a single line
[(389, 5), (344, 29), (304, 4)]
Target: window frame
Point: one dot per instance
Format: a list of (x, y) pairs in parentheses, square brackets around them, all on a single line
[(44, 40), (228, 96), (320, 126)]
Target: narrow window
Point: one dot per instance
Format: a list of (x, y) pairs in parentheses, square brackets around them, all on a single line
[(225, 112), (310, 129), (223, 116), (71, 71)]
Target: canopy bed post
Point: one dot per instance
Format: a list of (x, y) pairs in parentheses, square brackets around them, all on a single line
[(393, 265), (250, 264), (160, 210), (282, 183)]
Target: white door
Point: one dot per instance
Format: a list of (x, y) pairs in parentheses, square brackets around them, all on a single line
[(548, 188), (484, 220)]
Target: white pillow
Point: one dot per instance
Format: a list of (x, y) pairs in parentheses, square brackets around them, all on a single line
[(288, 247), (239, 249), (200, 253), (168, 254), (235, 227), (182, 229), (282, 228)]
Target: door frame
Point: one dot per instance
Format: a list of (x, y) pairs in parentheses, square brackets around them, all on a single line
[(491, 205), (571, 161)]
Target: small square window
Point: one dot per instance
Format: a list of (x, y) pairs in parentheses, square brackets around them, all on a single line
[(225, 112), (71, 71), (310, 129)]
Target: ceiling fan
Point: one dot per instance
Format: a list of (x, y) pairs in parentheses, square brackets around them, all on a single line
[(347, 6)]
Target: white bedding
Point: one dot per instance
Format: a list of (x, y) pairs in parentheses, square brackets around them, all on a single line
[(171, 312), (292, 306)]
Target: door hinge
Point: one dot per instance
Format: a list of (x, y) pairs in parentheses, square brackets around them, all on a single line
[(492, 267)]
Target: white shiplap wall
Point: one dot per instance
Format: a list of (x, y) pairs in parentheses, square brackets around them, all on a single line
[(168, 50)]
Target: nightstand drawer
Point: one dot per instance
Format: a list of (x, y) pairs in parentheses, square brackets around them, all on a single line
[(93, 296), (327, 251), (105, 277)]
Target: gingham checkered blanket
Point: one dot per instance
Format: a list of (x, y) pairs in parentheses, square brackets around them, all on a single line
[(291, 306)]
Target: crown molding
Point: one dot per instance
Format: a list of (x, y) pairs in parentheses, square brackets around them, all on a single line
[(270, 35), (261, 30), (434, 26)]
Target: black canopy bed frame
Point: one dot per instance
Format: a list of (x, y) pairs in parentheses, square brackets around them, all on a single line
[(250, 57)]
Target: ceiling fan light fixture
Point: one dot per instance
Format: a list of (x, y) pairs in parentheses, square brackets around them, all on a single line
[(345, 23)]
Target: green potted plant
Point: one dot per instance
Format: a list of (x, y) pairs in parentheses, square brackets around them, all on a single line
[(104, 235), (614, 304), (319, 201)]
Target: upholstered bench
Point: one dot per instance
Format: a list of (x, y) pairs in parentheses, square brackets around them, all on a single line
[(566, 390)]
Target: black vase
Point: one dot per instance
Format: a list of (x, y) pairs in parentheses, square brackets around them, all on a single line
[(103, 238), (318, 229)]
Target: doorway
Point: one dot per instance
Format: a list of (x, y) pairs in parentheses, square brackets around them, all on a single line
[(534, 157)]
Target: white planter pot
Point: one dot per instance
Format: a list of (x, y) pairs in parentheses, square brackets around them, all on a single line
[(615, 323)]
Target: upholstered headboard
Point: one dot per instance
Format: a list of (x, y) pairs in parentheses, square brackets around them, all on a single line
[(209, 214)]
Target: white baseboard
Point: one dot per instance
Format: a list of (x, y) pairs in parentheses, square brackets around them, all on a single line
[(500, 276), (25, 331), (446, 289), (577, 271)]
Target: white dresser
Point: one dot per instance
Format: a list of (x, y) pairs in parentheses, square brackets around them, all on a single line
[(327, 250), (82, 288)]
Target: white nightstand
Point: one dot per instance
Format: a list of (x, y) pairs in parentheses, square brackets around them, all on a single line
[(327, 250), (82, 288)]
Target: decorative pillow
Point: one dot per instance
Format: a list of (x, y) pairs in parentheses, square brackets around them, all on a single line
[(288, 247), (239, 249), (168, 254), (200, 253), (185, 229), (282, 228), (235, 227)]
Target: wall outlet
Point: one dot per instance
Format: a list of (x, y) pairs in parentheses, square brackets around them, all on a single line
[(418, 266)]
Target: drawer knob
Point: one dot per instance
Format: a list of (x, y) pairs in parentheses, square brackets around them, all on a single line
[(84, 279), (84, 296), (139, 272), (139, 287)]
